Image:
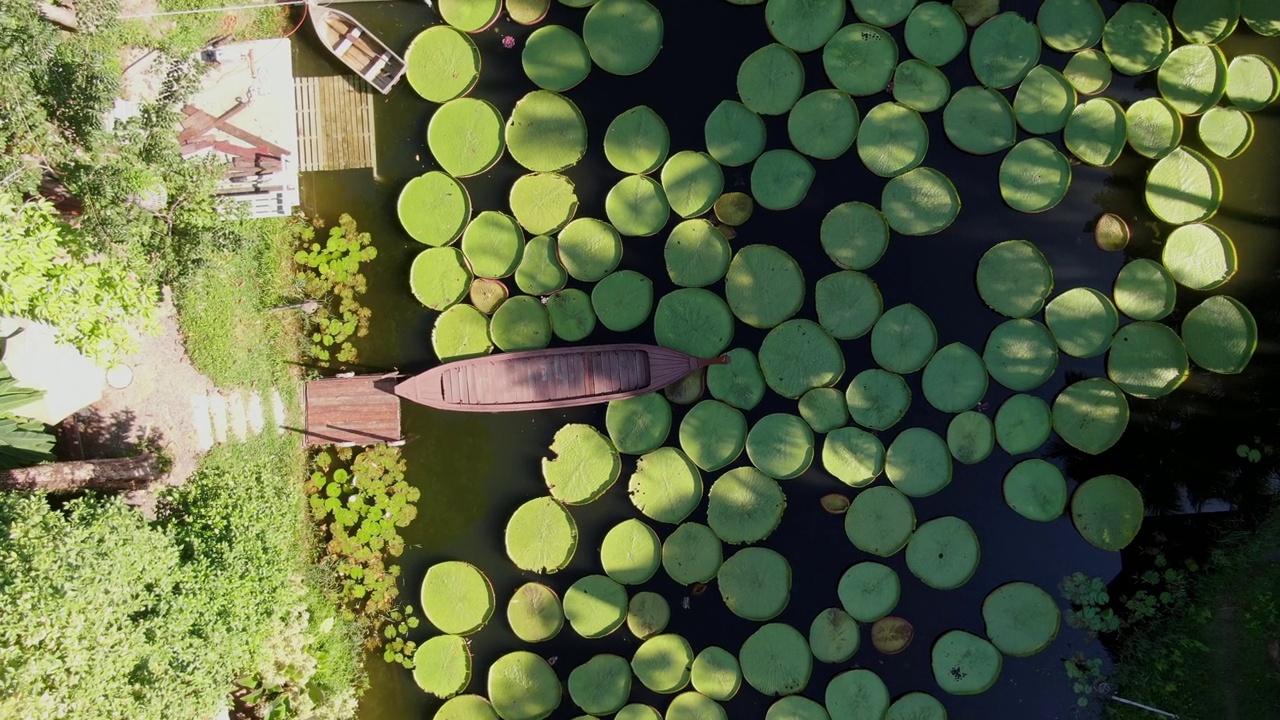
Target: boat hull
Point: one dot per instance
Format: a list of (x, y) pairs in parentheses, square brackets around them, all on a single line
[(349, 41)]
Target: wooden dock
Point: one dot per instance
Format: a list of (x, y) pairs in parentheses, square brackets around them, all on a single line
[(335, 123), (361, 410)]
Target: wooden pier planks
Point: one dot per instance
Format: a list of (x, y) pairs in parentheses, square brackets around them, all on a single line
[(335, 123), (359, 410)]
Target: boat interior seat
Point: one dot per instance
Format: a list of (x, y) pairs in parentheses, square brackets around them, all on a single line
[(350, 37), (378, 65)]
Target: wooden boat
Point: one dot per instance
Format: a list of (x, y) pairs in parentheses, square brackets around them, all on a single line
[(546, 379), (356, 47)]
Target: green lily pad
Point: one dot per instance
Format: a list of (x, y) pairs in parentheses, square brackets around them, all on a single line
[(771, 80), (853, 456), (869, 591), (692, 554), (776, 660), (692, 182), (848, 304), (665, 485), (892, 635), (1014, 278), (1111, 232), (623, 36), (465, 707), (780, 179), (970, 437), (540, 271), (735, 134), (456, 597), (1144, 290), (713, 434), (555, 58), (796, 707), (804, 25), (1153, 127), (1021, 619), (465, 136), (693, 321), (1036, 490), (1253, 82), (955, 379), (965, 664), (1199, 256), (528, 12), (857, 695), (734, 208), (1107, 511), (1071, 25), (470, 15), (1003, 50), (1096, 132), (648, 614), (1082, 321), (434, 208), (976, 12), (636, 711), (461, 332), (1044, 100), (918, 462), (442, 665), (543, 202), (824, 409), (546, 131), (739, 383), (764, 286), (800, 355), (979, 120), (1091, 415), (493, 244), (1220, 334), (883, 13), (1193, 78), (534, 613), (716, 674), (943, 553), (917, 705), (1147, 360), (522, 323), (903, 339), (622, 300), (780, 445), (755, 583), (442, 64), (877, 399), (631, 552), (834, 636), (486, 295), (1261, 16), (1184, 187), (1034, 176), (1226, 131), (854, 235), (541, 536), (637, 206), (1088, 71), (1137, 38), (589, 249), (920, 86), (921, 201), (637, 141), (745, 506), (570, 314), (880, 522), (1021, 354), (601, 685), (522, 686), (695, 706), (1206, 21), (935, 33), (639, 424), (823, 123), (595, 606), (1023, 424), (860, 59), (892, 140), (439, 277)]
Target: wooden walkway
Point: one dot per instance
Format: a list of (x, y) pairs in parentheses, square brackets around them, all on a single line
[(335, 123), (360, 410)]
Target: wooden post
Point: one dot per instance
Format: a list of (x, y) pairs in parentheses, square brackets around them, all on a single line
[(111, 475)]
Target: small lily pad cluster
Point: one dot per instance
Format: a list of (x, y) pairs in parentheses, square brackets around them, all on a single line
[(718, 452)]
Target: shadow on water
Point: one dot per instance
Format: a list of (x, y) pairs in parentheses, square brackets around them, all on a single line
[(474, 470)]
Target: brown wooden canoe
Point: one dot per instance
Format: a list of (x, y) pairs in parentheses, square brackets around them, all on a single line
[(546, 379)]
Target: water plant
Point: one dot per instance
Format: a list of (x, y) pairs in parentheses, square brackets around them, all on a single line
[(331, 272)]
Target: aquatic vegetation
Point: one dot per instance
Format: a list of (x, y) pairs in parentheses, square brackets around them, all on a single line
[(330, 272)]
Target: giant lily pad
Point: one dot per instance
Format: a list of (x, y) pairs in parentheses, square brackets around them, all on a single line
[(1226, 131), (1193, 78), (1153, 127), (854, 235), (804, 25), (834, 636), (1021, 354), (570, 314), (1023, 424), (442, 665), (595, 605), (824, 409), (917, 706), (692, 182), (735, 134), (543, 202), (776, 660), (1147, 360), (665, 485), (880, 521), (965, 664), (1096, 132), (1145, 290), (540, 271), (1014, 278), (466, 707), (1107, 510), (744, 506), (857, 695), (637, 141), (1091, 415), (1206, 21), (1088, 71), (764, 286), (780, 445), (716, 673), (555, 58), (918, 462), (1003, 50), (622, 300), (1253, 82), (921, 201), (970, 437), (1021, 619), (696, 253), (623, 36), (903, 339), (648, 614), (796, 707), (461, 332), (771, 80), (692, 554), (439, 277), (944, 553), (935, 33), (541, 536), (695, 706), (1137, 38), (521, 323), (637, 206), (979, 120), (470, 16), (955, 379), (1261, 16), (522, 686), (1184, 187), (854, 457), (442, 63), (493, 244), (892, 140), (693, 321), (640, 424), (1070, 25), (601, 685), (920, 86), (1044, 101), (1199, 256), (755, 583), (1034, 176), (1036, 490), (546, 131), (860, 59), (800, 355), (528, 12), (848, 304), (434, 208), (630, 552), (877, 399), (780, 179), (1082, 321), (713, 434), (740, 382), (589, 249), (456, 597), (534, 613), (869, 591), (1220, 334), (823, 123)]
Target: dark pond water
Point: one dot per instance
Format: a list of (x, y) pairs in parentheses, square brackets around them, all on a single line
[(475, 470)]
